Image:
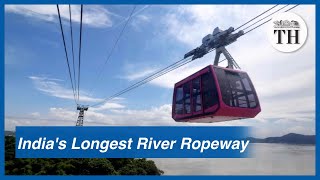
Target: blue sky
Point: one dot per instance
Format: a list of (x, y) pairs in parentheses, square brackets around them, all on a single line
[(36, 76)]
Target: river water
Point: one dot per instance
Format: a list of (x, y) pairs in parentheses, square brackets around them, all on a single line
[(267, 159)]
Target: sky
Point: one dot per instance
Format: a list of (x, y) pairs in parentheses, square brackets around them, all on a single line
[(38, 90)]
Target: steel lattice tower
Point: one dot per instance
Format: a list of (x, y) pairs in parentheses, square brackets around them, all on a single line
[(81, 114)]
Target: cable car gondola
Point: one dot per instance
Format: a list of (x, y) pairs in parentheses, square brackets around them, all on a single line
[(215, 93)]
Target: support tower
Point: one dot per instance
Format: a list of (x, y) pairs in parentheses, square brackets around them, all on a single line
[(81, 110)]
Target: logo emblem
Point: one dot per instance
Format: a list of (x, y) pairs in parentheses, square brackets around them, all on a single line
[(287, 32)]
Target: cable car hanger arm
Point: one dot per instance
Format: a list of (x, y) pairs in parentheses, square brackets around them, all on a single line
[(217, 40)]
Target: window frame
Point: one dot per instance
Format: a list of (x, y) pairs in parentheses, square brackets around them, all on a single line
[(194, 112), (175, 100), (184, 97), (203, 112), (227, 89), (214, 106)]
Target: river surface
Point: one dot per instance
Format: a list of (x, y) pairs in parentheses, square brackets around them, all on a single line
[(267, 159)]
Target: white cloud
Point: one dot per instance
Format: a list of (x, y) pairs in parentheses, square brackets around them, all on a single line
[(115, 117), (158, 116), (288, 108), (139, 20), (93, 15), (108, 106), (153, 116), (53, 87), (61, 113), (133, 17), (35, 114), (283, 85), (139, 74), (143, 17), (189, 24)]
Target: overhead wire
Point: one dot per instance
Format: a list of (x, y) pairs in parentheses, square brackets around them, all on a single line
[(268, 20), (254, 23), (113, 48), (171, 67), (71, 33), (266, 17), (66, 53), (148, 79), (133, 15), (155, 75), (256, 17), (80, 43), (152, 77)]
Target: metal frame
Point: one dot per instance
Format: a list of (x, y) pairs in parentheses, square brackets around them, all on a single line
[(81, 114), (231, 62), (218, 40)]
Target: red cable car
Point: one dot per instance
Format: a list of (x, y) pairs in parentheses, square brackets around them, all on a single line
[(215, 93)]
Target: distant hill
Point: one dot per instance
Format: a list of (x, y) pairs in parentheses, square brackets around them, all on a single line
[(9, 133), (291, 138)]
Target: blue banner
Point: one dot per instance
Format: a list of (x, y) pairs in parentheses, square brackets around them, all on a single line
[(132, 142)]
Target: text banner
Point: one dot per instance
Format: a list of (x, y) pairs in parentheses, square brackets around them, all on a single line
[(132, 142)]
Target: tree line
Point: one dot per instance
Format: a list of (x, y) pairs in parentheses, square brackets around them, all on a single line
[(75, 166)]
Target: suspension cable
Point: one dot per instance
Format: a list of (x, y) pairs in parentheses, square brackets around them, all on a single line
[(166, 70), (71, 33), (66, 53), (268, 20), (256, 17), (266, 17), (79, 65), (148, 79), (113, 48)]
